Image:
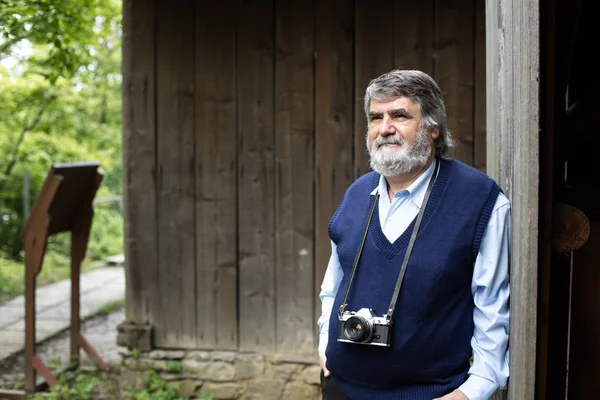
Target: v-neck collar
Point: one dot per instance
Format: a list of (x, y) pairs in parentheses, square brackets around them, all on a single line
[(416, 190), (391, 249)]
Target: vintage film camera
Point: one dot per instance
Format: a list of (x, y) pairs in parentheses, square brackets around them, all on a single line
[(364, 327)]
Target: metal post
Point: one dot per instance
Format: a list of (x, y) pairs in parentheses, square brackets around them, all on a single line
[(26, 194)]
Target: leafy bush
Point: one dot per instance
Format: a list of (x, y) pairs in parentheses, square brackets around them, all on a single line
[(155, 388), (60, 101), (72, 385), (87, 385)]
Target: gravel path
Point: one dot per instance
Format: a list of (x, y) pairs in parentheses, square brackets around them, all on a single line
[(101, 333)]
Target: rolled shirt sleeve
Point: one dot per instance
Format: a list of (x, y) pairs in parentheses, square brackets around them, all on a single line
[(490, 287), (329, 288)]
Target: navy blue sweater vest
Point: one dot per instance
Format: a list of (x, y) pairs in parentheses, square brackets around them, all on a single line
[(433, 322)]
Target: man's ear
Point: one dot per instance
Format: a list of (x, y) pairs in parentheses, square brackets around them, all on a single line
[(435, 132)]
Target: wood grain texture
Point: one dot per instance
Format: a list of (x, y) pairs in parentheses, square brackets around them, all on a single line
[(334, 125), (495, 153), (492, 100), (176, 325), (373, 56), (294, 139), (524, 109), (453, 70), (139, 161), (413, 35), (479, 96), (513, 123), (216, 172), (256, 176), (500, 147)]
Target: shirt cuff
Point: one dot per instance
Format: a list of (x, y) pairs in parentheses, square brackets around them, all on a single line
[(323, 338), (478, 388)]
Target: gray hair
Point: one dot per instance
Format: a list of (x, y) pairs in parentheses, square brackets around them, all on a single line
[(421, 89)]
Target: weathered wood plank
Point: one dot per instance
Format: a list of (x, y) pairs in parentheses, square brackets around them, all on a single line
[(499, 144), (139, 167), (479, 133), (374, 55), (216, 172), (453, 71), (413, 35), (294, 139), (524, 109), (492, 114), (513, 132), (334, 123), (176, 175), (256, 176)]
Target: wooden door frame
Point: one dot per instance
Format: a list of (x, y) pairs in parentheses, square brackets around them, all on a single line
[(513, 143)]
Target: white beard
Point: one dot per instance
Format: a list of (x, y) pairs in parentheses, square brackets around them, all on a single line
[(391, 161)]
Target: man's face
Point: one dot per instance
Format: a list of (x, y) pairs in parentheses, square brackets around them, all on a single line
[(396, 144)]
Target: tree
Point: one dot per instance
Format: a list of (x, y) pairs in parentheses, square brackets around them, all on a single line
[(60, 100), (66, 32)]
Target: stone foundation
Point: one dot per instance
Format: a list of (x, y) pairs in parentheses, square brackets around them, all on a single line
[(228, 375)]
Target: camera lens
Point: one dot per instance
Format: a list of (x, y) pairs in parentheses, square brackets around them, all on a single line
[(357, 329)]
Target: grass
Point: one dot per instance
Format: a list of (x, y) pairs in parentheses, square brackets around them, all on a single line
[(84, 385), (106, 238), (98, 384), (111, 306), (55, 267)]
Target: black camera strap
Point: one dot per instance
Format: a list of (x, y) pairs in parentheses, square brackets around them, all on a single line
[(408, 249), (411, 243), (358, 254)]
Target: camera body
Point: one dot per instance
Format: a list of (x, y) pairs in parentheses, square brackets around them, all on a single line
[(364, 327)]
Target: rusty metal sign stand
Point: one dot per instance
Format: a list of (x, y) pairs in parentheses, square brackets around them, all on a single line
[(63, 205)]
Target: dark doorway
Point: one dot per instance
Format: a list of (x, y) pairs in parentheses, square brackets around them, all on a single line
[(573, 328)]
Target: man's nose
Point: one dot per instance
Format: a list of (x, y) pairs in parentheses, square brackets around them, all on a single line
[(386, 127)]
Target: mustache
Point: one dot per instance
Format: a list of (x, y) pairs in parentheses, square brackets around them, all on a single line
[(381, 140)]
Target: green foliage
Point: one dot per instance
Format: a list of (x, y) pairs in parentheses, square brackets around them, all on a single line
[(173, 366), (110, 307), (72, 385), (60, 101), (64, 33), (11, 278), (135, 353), (155, 388), (12, 273), (55, 365), (206, 395), (86, 385)]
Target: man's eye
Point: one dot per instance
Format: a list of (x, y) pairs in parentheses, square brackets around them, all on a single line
[(375, 117)]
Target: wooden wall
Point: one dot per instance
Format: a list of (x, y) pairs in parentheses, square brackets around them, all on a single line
[(243, 126)]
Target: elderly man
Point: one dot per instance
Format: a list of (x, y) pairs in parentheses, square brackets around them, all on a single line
[(415, 297)]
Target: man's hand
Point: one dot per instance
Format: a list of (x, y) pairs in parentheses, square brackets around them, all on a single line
[(456, 395), (326, 371)]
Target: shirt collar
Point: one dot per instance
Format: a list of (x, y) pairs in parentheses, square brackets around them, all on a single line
[(416, 190)]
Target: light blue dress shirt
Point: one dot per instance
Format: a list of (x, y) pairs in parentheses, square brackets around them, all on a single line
[(490, 284)]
